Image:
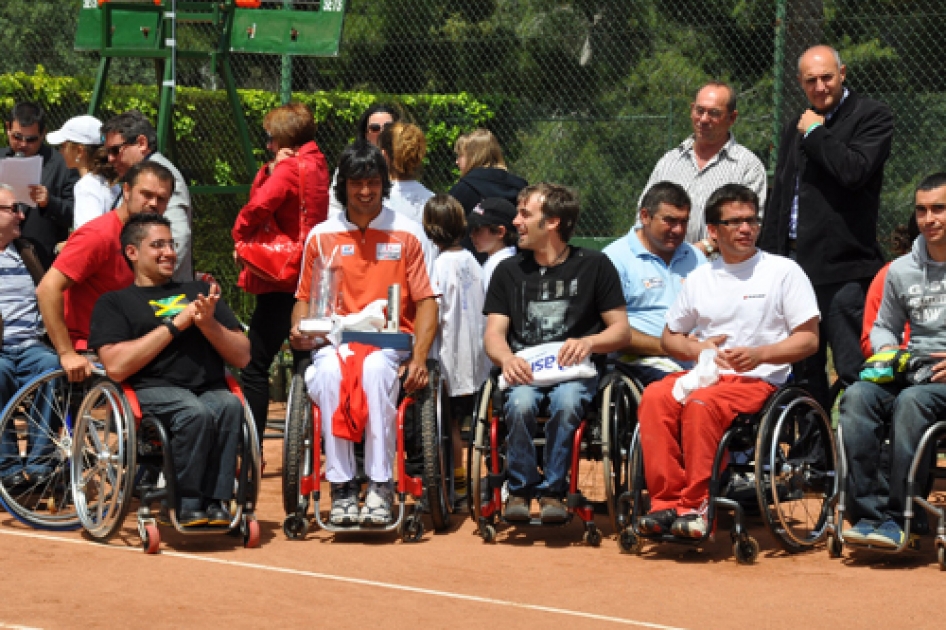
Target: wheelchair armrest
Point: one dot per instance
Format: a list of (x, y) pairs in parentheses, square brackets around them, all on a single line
[(132, 399), (234, 386)]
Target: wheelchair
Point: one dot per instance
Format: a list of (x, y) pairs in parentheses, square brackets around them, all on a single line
[(601, 441), (931, 443), (788, 448), (119, 454), (431, 490), (46, 502)]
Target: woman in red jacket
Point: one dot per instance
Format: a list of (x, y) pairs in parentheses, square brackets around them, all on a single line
[(276, 197)]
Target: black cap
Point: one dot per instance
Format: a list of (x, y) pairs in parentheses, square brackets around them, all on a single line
[(492, 211)]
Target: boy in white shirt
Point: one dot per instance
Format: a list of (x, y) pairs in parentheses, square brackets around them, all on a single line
[(458, 281), (493, 233)]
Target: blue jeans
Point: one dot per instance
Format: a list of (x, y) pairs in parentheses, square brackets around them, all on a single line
[(205, 434), (566, 407), (18, 367), (866, 408)]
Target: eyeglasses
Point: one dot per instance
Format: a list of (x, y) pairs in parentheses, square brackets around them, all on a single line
[(116, 149), (19, 137), (163, 244), (699, 111), (752, 222), (14, 209), (378, 127)]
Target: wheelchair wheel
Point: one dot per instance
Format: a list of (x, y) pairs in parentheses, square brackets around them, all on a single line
[(479, 452), (618, 404), (103, 460), (297, 448), (250, 459), (795, 469), (40, 418), (436, 444)]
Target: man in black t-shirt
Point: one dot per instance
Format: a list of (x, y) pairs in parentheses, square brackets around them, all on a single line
[(549, 292), (170, 341)]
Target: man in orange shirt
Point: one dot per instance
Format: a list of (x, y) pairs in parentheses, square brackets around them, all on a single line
[(375, 248)]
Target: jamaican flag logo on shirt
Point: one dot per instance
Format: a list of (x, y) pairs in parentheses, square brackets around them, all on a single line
[(169, 306)]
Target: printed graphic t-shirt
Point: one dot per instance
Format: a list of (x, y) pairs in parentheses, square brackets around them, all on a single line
[(189, 361), (554, 303)]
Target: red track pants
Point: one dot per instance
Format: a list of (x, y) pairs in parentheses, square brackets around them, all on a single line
[(680, 441)]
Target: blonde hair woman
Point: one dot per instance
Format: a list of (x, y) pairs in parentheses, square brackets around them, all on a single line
[(404, 147)]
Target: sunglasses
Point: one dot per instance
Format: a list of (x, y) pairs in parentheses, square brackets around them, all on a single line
[(377, 127), (116, 149), (19, 137)]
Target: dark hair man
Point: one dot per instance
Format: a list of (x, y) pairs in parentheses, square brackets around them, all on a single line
[(914, 293), (757, 313), (169, 341), (709, 158), (50, 217), (130, 138), (91, 264), (824, 205), (549, 293), (652, 261)]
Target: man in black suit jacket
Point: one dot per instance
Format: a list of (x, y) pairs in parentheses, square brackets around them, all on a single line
[(824, 206)]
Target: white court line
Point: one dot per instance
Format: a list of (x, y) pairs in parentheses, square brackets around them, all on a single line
[(361, 582), (11, 626)]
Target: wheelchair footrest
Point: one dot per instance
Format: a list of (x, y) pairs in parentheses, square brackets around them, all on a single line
[(496, 481)]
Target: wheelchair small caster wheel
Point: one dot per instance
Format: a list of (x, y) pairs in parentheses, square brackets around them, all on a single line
[(250, 530), (746, 550), (834, 546), (593, 537), (151, 539), (629, 542), (412, 530), (488, 533), (295, 527)]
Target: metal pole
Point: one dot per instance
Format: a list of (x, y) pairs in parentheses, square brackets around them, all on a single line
[(779, 82), (285, 83)]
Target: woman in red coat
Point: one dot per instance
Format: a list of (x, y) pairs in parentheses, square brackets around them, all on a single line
[(298, 173)]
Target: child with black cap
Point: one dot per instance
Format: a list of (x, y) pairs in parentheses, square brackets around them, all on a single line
[(493, 233)]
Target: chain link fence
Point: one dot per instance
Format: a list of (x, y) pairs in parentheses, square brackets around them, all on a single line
[(589, 93)]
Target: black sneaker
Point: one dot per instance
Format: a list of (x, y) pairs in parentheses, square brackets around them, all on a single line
[(657, 522), (192, 518), (217, 515), (553, 510)]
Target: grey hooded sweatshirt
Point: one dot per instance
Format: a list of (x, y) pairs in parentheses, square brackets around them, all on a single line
[(914, 292)]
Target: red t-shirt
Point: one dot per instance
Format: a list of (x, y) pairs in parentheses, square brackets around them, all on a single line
[(93, 260)]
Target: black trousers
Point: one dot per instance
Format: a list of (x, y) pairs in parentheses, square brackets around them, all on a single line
[(842, 316), (269, 328)]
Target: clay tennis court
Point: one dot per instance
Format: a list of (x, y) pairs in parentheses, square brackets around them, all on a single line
[(533, 578)]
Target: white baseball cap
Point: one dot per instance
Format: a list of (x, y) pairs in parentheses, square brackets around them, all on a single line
[(80, 129)]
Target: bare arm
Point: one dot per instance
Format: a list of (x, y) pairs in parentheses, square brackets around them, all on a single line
[(684, 347), (425, 328), (232, 345), (49, 295), (800, 344), (516, 370), (614, 337), (644, 345)]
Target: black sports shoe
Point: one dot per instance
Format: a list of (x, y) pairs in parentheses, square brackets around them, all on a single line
[(192, 518), (657, 522), (217, 514), (517, 509), (552, 510)]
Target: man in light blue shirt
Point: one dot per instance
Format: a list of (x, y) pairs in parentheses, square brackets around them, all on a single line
[(652, 262)]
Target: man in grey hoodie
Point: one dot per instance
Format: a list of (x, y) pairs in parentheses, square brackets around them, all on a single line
[(914, 293)]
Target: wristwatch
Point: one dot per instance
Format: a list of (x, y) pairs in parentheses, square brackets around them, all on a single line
[(168, 323)]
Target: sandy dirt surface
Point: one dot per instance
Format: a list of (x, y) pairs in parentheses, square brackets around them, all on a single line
[(531, 578)]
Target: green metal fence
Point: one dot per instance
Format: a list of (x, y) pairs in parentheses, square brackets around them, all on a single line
[(585, 92)]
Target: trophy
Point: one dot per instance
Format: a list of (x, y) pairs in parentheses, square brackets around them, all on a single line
[(324, 296)]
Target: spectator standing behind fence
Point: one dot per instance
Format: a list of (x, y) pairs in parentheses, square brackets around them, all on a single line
[(709, 158), (824, 207), (130, 138), (483, 174), (48, 223), (80, 145), (369, 128), (289, 195), (404, 147)]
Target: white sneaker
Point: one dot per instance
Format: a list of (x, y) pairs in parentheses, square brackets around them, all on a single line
[(344, 505), (377, 507)]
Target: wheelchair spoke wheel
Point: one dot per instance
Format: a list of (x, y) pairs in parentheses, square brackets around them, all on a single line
[(795, 469), (250, 460), (435, 447), (297, 448), (618, 411), (36, 426), (479, 452), (103, 460)]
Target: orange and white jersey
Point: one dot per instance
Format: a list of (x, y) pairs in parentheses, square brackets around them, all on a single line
[(392, 250)]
